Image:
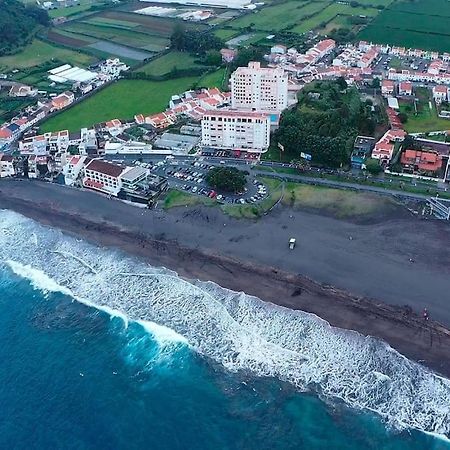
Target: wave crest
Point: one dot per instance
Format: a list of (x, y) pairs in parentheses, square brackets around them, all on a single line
[(239, 331)]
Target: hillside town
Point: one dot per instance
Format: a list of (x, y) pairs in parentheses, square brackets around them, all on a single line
[(233, 124)]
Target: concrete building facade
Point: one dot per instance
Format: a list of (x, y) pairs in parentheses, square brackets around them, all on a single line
[(247, 130), (257, 88)]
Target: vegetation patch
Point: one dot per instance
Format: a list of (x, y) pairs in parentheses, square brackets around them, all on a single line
[(328, 117), (228, 179), (339, 203), (40, 52), (18, 24), (164, 64), (279, 17), (175, 198), (416, 24)]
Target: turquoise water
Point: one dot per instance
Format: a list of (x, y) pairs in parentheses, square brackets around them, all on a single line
[(74, 376)]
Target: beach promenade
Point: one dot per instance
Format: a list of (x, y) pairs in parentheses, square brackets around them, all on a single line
[(356, 276)]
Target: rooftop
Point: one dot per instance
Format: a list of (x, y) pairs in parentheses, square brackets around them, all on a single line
[(107, 168)]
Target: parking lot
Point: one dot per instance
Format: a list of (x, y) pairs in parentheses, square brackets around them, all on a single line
[(189, 175)]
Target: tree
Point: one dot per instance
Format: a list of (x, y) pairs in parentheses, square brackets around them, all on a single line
[(227, 179), (342, 83), (403, 117), (245, 55), (373, 166), (376, 84), (194, 41), (213, 58), (18, 24)]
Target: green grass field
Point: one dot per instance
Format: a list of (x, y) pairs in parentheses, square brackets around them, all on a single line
[(121, 100), (340, 203), (417, 24), (218, 79), (165, 63), (278, 17), (426, 120), (225, 34), (175, 199), (39, 52), (329, 13)]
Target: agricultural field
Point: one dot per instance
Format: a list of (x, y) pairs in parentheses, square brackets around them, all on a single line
[(419, 24), (40, 52), (165, 63), (279, 17), (129, 36), (123, 100), (70, 11), (329, 13)]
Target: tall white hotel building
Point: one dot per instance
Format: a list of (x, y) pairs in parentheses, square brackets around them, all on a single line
[(258, 95), (259, 88)]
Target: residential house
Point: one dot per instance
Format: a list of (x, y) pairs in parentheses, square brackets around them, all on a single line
[(405, 88), (419, 161), (362, 149), (387, 87), (7, 166), (22, 91), (63, 100), (228, 55), (440, 93)]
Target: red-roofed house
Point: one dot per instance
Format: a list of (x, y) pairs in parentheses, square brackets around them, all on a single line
[(103, 176), (440, 93), (387, 87), (63, 100), (228, 55), (428, 162), (114, 127), (139, 119), (405, 88), (5, 134), (161, 120), (383, 151)]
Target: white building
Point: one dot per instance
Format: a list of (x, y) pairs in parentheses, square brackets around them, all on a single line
[(103, 176), (6, 166), (259, 89), (246, 130), (440, 93)]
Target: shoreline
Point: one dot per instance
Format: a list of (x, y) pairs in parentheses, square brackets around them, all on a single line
[(404, 330)]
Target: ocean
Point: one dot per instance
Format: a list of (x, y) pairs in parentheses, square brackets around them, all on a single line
[(100, 350)]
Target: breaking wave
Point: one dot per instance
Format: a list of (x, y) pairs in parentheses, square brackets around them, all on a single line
[(236, 330)]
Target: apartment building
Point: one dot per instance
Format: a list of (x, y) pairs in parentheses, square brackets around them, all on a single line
[(257, 88), (247, 130), (103, 176)]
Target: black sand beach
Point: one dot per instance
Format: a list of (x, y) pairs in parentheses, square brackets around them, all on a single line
[(360, 283)]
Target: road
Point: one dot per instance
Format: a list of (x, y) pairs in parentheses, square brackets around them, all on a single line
[(307, 179)]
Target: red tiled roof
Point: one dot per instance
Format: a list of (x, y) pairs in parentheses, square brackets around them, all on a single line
[(5, 133), (104, 167)]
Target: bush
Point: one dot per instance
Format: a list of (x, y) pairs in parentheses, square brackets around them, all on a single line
[(373, 166), (227, 179), (403, 117)]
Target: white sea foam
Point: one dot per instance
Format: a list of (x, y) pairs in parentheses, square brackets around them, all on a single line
[(163, 335), (236, 330)]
